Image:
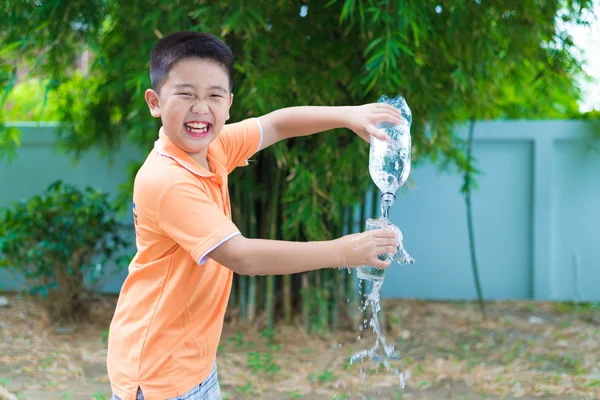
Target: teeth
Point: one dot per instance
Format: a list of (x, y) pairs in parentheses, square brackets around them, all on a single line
[(201, 130), (196, 125)]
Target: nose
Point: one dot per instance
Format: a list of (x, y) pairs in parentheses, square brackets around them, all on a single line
[(200, 107)]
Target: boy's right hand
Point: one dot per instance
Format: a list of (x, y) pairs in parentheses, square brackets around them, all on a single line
[(361, 249)]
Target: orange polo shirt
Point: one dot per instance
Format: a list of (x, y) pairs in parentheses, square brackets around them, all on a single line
[(169, 316)]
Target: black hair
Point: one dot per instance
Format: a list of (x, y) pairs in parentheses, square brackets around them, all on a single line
[(181, 45)]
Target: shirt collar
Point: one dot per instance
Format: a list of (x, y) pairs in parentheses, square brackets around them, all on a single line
[(165, 147)]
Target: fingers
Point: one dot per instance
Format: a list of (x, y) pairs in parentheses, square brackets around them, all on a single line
[(389, 116), (384, 233), (388, 113), (387, 242), (391, 248), (382, 264), (388, 107)]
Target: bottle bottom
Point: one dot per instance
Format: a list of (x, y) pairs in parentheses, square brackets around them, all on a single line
[(370, 273)]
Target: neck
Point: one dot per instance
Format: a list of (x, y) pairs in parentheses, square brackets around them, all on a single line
[(201, 158)]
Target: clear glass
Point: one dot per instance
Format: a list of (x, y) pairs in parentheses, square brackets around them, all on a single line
[(371, 273)]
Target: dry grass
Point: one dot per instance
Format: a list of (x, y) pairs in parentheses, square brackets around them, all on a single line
[(524, 349)]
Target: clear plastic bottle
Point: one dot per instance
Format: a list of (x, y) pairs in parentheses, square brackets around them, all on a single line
[(389, 161)]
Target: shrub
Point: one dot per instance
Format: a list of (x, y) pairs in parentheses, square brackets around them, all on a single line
[(62, 242)]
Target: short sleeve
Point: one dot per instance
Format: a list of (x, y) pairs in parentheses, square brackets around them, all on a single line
[(240, 141), (188, 215)]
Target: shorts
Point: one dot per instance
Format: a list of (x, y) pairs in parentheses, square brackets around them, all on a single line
[(207, 390)]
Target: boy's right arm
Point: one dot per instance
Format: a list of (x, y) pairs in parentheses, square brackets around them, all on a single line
[(275, 257)]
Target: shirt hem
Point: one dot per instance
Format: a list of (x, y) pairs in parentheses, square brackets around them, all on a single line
[(163, 394)]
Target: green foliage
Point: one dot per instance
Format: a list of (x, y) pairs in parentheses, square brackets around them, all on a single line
[(246, 389), (57, 241), (294, 395), (453, 61), (575, 307), (104, 336), (269, 335), (323, 377), (262, 362), (10, 140), (32, 100)]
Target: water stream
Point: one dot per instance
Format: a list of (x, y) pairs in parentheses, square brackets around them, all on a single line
[(381, 353)]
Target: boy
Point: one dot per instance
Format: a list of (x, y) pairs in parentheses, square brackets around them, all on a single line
[(167, 324)]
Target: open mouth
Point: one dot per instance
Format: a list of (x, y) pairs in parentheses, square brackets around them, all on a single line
[(197, 129)]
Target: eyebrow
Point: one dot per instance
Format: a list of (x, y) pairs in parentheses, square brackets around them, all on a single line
[(185, 86), (220, 88), (190, 86)]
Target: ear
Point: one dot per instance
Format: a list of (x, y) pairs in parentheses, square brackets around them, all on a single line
[(230, 102), (153, 102)]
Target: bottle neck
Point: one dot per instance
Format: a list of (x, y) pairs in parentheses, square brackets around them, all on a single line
[(388, 198)]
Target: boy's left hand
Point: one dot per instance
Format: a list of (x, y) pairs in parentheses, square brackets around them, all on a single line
[(364, 119)]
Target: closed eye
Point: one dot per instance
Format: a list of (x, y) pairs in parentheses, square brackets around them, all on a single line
[(184, 94), (215, 95)]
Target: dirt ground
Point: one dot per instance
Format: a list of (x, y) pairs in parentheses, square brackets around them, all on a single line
[(525, 350)]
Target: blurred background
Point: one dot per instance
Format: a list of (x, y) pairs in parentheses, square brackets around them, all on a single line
[(500, 211)]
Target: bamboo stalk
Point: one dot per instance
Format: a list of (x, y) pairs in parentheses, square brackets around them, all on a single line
[(339, 285), (252, 229), (233, 294), (287, 299), (251, 298), (287, 279), (242, 296), (306, 301), (324, 300), (270, 301), (353, 310), (273, 219), (263, 230), (337, 294), (238, 297)]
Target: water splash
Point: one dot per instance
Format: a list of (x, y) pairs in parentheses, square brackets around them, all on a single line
[(381, 352)]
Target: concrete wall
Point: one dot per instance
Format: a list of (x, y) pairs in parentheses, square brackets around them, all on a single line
[(536, 211), (536, 218)]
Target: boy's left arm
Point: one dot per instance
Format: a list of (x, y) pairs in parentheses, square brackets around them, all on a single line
[(291, 122)]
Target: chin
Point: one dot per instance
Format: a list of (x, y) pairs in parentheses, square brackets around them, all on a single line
[(197, 145)]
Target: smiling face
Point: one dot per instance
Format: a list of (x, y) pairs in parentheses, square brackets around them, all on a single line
[(193, 105)]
